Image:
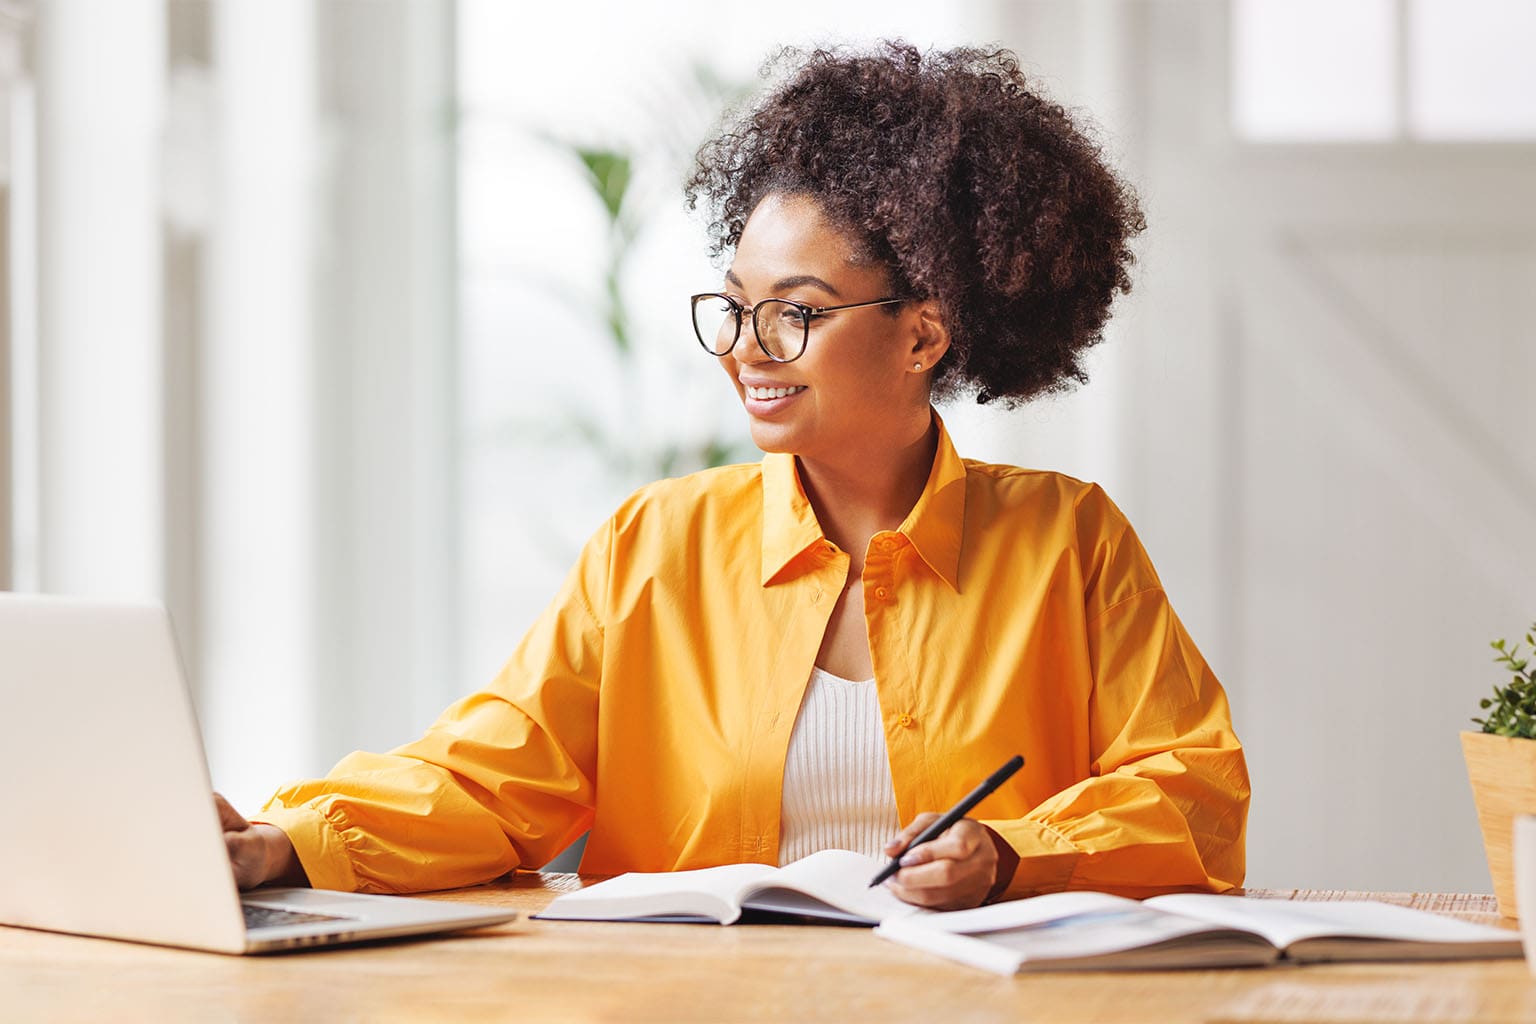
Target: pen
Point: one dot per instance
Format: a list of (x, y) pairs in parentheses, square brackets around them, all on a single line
[(953, 815)]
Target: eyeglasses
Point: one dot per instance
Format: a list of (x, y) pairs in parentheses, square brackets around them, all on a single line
[(782, 326)]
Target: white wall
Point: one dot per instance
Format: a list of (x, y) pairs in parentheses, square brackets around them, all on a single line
[(235, 229), (329, 462), (100, 74)]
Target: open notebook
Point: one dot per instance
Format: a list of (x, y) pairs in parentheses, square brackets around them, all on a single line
[(1097, 931), (832, 885)]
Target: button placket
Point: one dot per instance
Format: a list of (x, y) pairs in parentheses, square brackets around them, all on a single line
[(879, 570)]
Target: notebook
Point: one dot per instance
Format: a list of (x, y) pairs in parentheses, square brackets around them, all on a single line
[(1097, 931), (109, 827), (829, 885)]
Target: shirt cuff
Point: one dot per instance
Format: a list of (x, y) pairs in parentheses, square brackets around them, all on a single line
[(320, 849), (1045, 860), (1007, 864)]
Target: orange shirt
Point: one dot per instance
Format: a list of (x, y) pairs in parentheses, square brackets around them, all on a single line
[(1014, 611)]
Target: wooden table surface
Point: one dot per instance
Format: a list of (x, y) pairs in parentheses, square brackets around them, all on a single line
[(561, 970)]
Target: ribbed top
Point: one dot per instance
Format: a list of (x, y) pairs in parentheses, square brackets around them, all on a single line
[(837, 777)]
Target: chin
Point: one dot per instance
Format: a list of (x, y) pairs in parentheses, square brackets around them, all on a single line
[(771, 438)]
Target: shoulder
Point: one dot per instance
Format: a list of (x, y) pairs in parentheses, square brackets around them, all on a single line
[(665, 528), (721, 490), (1052, 516), (1039, 496), (724, 484)]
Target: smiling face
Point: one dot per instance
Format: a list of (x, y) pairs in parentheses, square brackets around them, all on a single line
[(854, 390)]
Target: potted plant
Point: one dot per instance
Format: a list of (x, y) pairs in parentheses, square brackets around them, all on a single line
[(1501, 763)]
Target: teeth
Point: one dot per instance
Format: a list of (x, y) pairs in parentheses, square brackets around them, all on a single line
[(766, 393)]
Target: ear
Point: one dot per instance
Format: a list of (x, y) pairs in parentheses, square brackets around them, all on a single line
[(930, 338)]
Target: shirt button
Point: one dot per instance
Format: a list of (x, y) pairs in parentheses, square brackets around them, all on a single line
[(882, 593), (905, 721), (886, 543)]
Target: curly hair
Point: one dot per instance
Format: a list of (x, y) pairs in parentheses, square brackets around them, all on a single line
[(973, 190)]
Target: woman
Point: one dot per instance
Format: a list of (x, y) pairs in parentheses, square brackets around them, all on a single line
[(757, 661)]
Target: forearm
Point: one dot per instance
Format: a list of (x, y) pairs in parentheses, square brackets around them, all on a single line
[(383, 823), (282, 862), (1174, 822)]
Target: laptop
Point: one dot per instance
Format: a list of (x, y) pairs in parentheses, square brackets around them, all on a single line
[(107, 821)]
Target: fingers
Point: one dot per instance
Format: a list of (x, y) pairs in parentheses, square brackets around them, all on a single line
[(954, 871), (247, 854), (247, 858), (230, 820), (906, 835), (956, 843)]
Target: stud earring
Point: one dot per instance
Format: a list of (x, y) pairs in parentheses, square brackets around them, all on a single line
[(917, 366)]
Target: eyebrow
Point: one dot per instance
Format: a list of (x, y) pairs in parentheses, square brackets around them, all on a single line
[(784, 284)]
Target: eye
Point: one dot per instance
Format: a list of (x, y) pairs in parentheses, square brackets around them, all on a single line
[(793, 316)]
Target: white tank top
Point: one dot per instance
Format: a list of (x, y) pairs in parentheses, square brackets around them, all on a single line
[(837, 776)]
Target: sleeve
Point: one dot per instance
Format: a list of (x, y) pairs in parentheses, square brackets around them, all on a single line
[(1164, 807), (504, 778)]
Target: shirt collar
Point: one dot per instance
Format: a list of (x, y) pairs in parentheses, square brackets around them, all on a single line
[(934, 526)]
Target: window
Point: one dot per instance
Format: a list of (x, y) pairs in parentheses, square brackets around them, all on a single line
[(1433, 71)]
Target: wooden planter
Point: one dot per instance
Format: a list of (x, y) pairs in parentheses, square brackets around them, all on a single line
[(1503, 775)]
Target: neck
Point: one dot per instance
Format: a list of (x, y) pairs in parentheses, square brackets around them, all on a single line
[(863, 493)]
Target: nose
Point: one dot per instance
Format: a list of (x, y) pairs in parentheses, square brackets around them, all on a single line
[(748, 351)]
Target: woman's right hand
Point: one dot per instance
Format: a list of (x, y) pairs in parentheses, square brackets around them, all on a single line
[(258, 853)]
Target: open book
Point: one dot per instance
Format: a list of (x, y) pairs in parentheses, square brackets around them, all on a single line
[(832, 885), (1096, 931)]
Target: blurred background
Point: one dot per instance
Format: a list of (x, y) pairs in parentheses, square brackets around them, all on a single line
[(339, 326)]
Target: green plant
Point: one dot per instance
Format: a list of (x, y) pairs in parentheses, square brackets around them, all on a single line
[(1512, 708), (679, 112)]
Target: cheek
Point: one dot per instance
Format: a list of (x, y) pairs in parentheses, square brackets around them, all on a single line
[(870, 369), (853, 394)]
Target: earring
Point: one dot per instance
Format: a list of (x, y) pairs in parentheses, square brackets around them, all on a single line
[(917, 366)]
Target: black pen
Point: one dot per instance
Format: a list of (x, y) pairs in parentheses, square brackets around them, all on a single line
[(953, 815)]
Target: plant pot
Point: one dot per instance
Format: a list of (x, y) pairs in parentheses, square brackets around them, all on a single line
[(1502, 770)]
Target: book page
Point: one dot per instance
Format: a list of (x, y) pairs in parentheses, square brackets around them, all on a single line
[(706, 893), (838, 878), (1097, 933), (1284, 922), (1027, 912), (1074, 931)]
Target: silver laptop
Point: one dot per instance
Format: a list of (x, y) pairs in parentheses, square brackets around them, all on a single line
[(107, 822)]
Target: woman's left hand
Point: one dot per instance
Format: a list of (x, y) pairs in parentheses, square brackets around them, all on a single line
[(955, 871)]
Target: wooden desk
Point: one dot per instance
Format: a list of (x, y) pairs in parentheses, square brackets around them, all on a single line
[(538, 970)]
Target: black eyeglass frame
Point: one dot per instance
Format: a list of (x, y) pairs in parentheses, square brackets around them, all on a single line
[(741, 309)]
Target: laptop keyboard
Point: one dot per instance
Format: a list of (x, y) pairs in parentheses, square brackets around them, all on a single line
[(267, 917)]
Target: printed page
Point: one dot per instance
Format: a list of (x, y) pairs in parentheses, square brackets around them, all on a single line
[(1027, 912), (1074, 931), (1100, 933), (839, 878), (708, 893), (1285, 922)]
